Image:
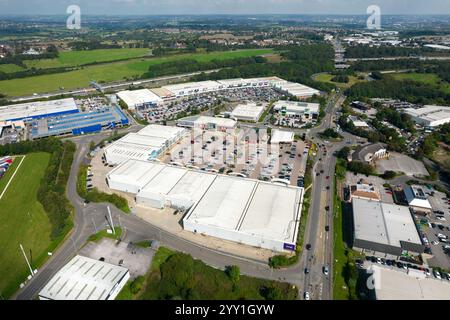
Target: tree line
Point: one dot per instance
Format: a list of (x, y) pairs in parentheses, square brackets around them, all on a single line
[(406, 90), (299, 64), (192, 65)]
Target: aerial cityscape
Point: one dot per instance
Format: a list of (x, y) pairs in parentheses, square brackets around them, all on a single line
[(197, 150)]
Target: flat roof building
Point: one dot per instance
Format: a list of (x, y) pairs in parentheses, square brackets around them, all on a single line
[(193, 88), (38, 110), (145, 145), (79, 123), (430, 116), (86, 279), (417, 198), (279, 136), (392, 284), (207, 123), (139, 98), (358, 123), (384, 228), (248, 112), (303, 110), (247, 211), (297, 90)]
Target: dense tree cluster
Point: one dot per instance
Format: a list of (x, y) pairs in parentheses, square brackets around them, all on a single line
[(363, 51), (192, 65), (299, 64), (182, 277), (399, 119), (92, 45), (406, 90)]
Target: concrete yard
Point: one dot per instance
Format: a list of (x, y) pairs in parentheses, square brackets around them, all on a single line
[(113, 253), (401, 163)]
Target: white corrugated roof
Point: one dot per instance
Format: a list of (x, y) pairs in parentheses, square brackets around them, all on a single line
[(137, 173), (37, 109), (84, 279), (224, 202), (138, 97), (273, 212)]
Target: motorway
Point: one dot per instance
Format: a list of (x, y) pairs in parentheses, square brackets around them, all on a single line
[(111, 86)]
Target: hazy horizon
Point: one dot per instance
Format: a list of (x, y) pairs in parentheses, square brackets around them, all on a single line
[(223, 7)]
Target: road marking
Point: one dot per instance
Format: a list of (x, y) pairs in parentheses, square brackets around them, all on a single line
[(11, 179)]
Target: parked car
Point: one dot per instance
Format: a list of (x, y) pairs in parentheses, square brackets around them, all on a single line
[(437, 275), (307, 296)]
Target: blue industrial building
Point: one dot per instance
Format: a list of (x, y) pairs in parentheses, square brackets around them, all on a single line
[(79, 123)]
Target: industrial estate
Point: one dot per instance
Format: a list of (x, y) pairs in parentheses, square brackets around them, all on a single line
[(286, 160)]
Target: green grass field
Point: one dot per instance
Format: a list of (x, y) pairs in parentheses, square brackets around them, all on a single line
[(23, 221), (427, 78), (78, 58), (326, 77), (10, 68), (109, 72)]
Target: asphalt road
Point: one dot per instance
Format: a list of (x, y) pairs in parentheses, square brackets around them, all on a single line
[(319, 285)]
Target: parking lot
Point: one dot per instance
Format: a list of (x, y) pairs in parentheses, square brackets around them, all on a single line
[(401, 163), (206, 101), (435, 229), (404, 267), (134, 258), (246, 155)]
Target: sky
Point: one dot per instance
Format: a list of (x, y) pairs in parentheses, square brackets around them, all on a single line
[(157, 7)]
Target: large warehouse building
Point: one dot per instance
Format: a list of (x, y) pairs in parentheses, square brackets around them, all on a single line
[(86, 279), (248, 112), (181, 90), (246, 211), (145, 145), (384, 228), (79, 123), (139, 98), (430, 116), (38, 110)]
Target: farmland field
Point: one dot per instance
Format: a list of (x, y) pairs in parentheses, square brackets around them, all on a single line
[(78, 58), (23, 221), (109, 72)]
